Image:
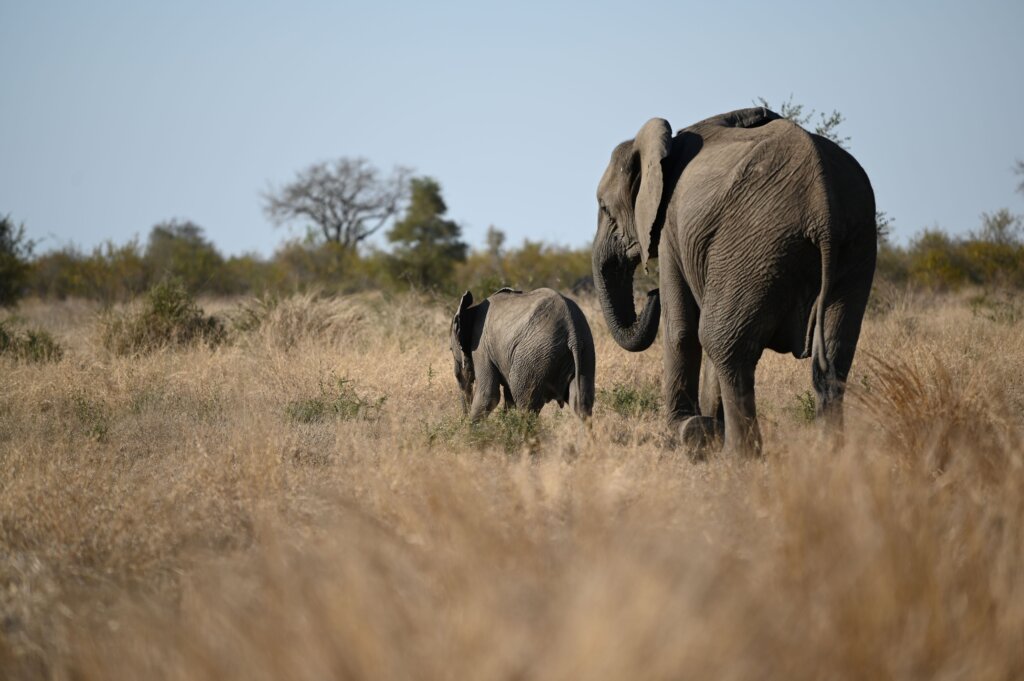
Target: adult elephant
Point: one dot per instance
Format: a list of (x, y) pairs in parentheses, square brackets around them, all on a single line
[(766, 238)]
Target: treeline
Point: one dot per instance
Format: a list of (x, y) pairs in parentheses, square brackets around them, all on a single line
[(180, 251), (990, 257), (344, 203)]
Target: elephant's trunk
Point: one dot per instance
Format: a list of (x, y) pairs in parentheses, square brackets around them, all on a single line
[(613, 279)]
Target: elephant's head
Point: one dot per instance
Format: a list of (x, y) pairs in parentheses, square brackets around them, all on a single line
[(628, 227), (461, 338)]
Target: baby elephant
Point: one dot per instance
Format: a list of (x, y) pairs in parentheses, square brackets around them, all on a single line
[(536, 347)]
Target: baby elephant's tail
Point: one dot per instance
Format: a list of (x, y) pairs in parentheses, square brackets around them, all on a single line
[(581, 388)]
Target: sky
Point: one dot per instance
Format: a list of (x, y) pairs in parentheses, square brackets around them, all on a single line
[(115, 116)]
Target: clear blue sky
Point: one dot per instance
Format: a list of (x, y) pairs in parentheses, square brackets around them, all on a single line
[(117, 115)]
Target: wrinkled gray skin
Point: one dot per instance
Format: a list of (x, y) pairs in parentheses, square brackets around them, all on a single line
[(535, 347), (766, 238)]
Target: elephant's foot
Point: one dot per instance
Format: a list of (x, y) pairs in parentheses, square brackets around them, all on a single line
[(701, 435)]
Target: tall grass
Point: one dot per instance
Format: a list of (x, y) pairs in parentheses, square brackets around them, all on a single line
[(169, 516)]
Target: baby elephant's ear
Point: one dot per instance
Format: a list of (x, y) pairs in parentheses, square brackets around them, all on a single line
[(463, 321)]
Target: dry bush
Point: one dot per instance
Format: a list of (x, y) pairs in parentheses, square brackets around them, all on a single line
[(166, 516)]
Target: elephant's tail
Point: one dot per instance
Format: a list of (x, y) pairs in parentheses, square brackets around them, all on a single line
[(816, 323), (581, 389)]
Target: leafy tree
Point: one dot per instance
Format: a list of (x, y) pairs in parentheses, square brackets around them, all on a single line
[(15, 254), (427, 245), (249, 273), (347, 200), (300, 264), (179, 249)]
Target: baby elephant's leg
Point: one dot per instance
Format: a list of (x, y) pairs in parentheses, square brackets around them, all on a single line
[(527, 393), (486, 395)]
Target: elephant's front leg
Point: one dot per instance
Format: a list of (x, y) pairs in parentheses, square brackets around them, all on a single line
[(707, 431), (679, 322), (486, 394)]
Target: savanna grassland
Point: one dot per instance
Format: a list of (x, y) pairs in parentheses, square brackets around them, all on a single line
[(300, 498)]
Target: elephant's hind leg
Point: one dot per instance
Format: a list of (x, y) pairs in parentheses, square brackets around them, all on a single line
[(527, 393), (486, 394), (742, 433), (710, 391), (843, 318)]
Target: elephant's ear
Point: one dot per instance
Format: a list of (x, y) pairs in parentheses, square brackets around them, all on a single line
[(463, 323), (651, 145)]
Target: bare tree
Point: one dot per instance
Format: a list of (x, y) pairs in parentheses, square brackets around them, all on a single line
[(1018, 169), (826, 125), (346, 199)]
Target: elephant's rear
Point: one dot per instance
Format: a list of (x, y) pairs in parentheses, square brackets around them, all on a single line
[(581, 344), (848, 247), (850, 198)]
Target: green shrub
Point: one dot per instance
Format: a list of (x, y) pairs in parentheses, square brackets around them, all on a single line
[(631, 401), (94, 416), (532, 265), (805, 408), (340, 402), (32, 345), (169, 318), (512, 430), (109, 273)]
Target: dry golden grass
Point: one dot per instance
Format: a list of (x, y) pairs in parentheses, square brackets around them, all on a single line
[(227, 513)]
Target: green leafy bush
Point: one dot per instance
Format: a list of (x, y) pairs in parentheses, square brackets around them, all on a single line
[(169, 317), (338, 402), (631, 401), (31, 345), (108, 273), (805, 409), (513, 430), (532, 265)]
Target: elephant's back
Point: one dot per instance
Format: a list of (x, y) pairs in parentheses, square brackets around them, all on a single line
[(796, 173), (532, 337), (528, 318), (741, 179)]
